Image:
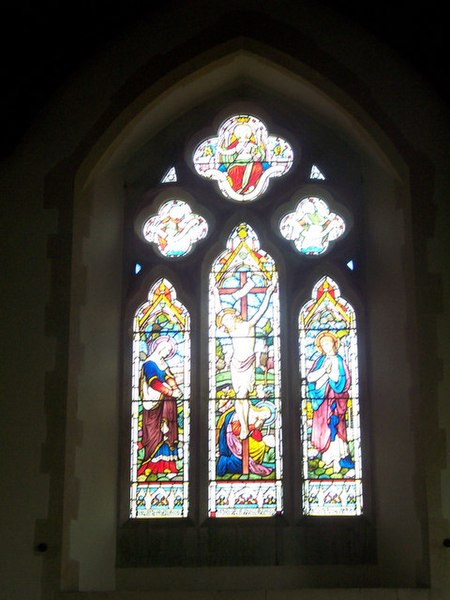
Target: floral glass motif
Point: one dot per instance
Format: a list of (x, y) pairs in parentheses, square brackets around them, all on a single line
[(332, 483), (175, 228), (311, 227), (160, 406), (245, 466), (243, 157)]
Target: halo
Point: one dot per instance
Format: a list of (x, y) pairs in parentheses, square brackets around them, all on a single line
[(329, 334), (222, 313)]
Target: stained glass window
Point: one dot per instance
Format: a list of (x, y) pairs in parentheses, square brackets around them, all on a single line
[(332, 482), (312, 227), (160, 406), (316, 173), (243, 157), (175, 228), (244, 404), (245, 407), (170, 176)]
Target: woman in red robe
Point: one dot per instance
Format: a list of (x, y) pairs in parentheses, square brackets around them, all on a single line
[(242, 159), (159, 391)]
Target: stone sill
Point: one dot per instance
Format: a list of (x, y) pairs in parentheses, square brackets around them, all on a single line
[(294, 594)]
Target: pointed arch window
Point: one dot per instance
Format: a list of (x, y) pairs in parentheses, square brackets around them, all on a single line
[(236, 289)]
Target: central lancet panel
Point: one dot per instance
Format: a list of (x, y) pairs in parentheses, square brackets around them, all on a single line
[(245, 453)]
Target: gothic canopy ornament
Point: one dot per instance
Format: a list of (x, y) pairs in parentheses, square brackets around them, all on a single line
[(242, 158)]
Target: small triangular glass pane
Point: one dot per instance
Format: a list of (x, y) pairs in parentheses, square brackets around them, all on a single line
[(170, 176), (316, 173)]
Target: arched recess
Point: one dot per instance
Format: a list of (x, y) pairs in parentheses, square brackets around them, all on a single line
[(95, 383)]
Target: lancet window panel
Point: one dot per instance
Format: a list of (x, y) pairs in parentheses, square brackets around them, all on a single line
[(245, 454), (160, 406), (330, 429)]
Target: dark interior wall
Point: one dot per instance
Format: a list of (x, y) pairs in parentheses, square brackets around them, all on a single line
[(50, 419)]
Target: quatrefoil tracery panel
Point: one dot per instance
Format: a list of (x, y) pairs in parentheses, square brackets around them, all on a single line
[(243, 157)]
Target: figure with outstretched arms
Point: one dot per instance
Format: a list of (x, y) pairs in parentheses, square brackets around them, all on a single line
[(242, 334)]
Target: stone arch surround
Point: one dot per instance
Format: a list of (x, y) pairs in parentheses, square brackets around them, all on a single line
[(98, 192)]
